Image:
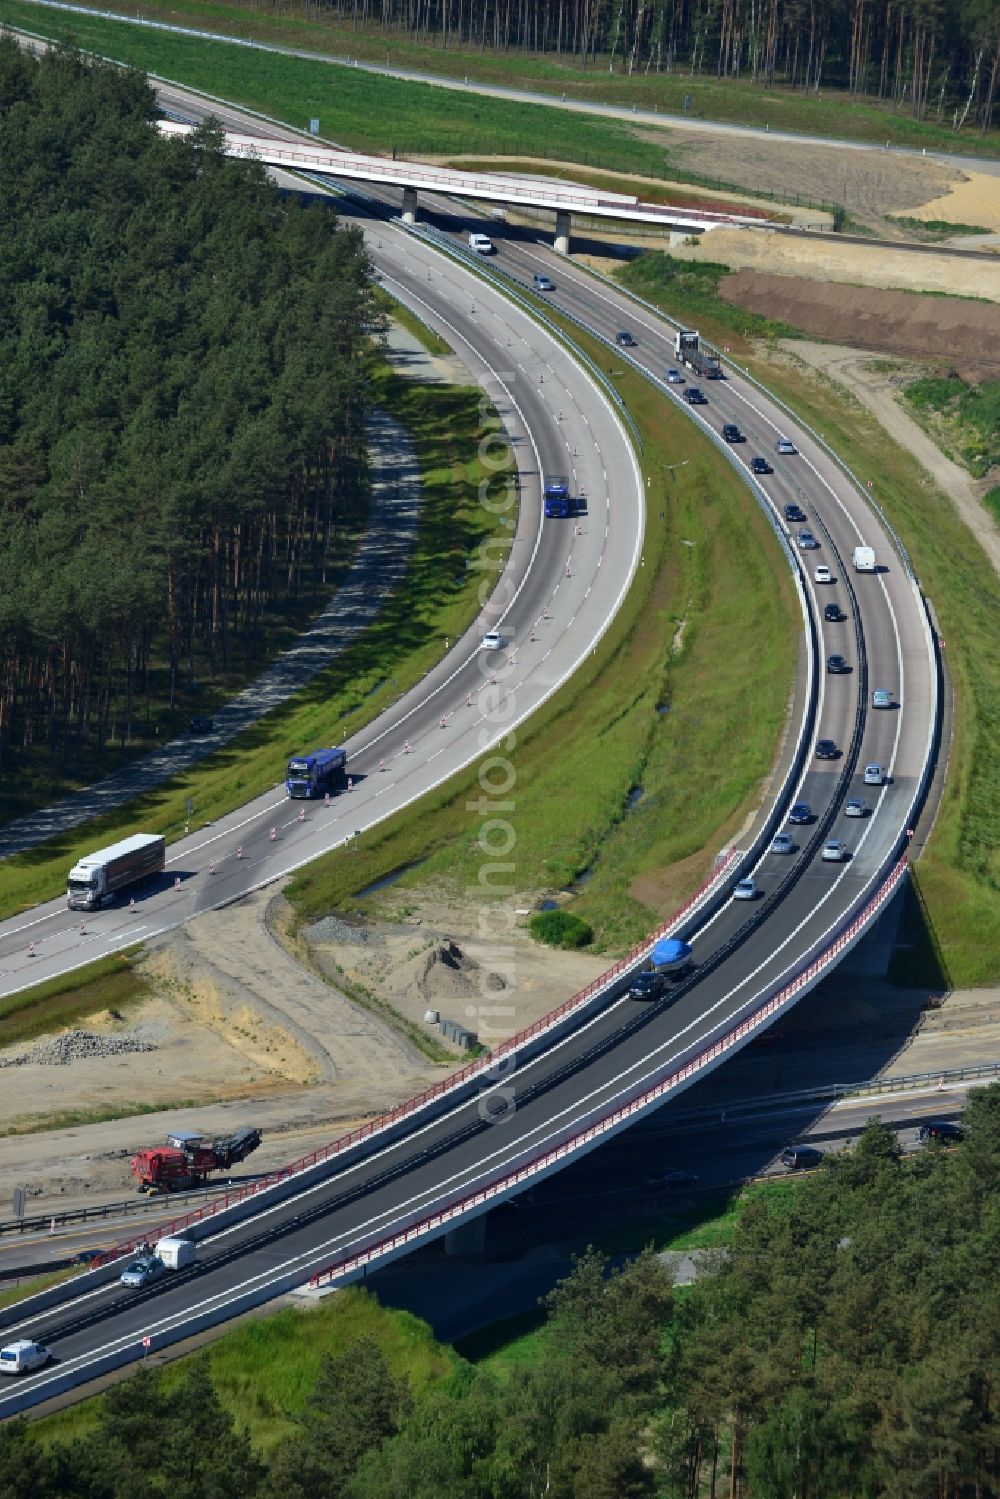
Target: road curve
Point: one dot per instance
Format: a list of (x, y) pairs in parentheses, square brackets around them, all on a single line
[(616, 1050)]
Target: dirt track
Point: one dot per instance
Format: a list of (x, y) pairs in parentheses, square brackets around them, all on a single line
[(858, 373)]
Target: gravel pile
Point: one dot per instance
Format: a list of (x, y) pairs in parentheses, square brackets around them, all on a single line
[(78, 1046), (331, 929)]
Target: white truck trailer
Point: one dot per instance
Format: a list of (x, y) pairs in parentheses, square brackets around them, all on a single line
[(98, 877)]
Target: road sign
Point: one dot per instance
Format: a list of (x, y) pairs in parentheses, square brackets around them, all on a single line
[(18, 1201), (314, 126), (189, 806)]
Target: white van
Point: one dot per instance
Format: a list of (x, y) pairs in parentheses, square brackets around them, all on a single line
[(481, 244), (177, 1252), (864, 559), (22, 1357)]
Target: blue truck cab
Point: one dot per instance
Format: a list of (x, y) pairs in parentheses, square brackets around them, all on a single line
[(556, 496), (316, 774)]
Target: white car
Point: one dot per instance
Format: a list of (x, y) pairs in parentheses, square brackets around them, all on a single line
[(674, 377), (855, 807), (785, 445), (746, 890), (492, 641), (835, 850), (21, 1357), (823, 574), (881, 698), (874, 775)]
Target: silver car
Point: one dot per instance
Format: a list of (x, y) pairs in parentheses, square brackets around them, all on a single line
[(746, 890), (855, 807), (143, 1272), (835, 850), (874, 775), (783, 843)]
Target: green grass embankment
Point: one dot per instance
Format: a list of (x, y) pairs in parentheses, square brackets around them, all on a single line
[(708, 634), (109, 984), (828, 113), (959, 872), (436, 600), (265, 1369)]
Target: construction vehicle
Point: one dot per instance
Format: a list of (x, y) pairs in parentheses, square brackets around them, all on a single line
[(98, 877), (688, 352), (186, 1160)]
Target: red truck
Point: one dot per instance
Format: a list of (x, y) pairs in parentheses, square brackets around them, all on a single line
[(186, 1160)]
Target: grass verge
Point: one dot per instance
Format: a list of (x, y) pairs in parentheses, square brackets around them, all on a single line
[(36, 1124), (827, 113), (959, 872), (685, 698), (426, 337), (36, 1284), (436, 600), (265, 1368), (357, 109), (109, 984)]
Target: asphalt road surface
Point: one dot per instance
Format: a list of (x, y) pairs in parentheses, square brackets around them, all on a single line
[(620, 1047)]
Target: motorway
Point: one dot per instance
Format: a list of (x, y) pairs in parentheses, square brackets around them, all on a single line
[(617, 1048)]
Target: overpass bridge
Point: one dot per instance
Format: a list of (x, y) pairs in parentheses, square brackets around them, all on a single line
[(507, 190)]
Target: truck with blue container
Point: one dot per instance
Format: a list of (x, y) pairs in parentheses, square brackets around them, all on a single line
[(316, 774)]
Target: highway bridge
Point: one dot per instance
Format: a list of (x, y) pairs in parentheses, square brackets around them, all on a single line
[(506, 189), (602, 1060)]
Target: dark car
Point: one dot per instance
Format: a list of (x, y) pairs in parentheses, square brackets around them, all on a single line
[(760, 466), (201, 724), (794, 513), (624, 340), (732, 433), (940, 1129), (836, 665), (647, 985), (826, 749), (807, 541), (832, 613), (800, 813), (695, 396), (675, 1178), (801, 1157)]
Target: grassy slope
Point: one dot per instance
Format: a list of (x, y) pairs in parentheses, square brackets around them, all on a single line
[(265, 1368), (828, 114), (959, 873), (393, 654), (108, 984), (710, 561), (354, 108)]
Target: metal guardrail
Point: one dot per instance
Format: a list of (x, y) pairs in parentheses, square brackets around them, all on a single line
[(124, 1208), (502, 282), (511, 1182), (911, 1082)]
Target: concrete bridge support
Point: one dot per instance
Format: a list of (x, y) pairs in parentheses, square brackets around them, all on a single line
[(468, 1240), (409, 205), (561, 243)]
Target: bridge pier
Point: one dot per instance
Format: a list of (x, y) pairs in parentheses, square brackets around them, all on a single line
[(468, 1240), (561, 242), (409, 205)]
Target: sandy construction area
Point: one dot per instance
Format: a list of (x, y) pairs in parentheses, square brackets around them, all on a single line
[(239, 1031), (857, 264)]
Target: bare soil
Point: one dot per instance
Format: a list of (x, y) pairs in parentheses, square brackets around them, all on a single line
[(950, 332), (866, 183), (244, 1032)]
